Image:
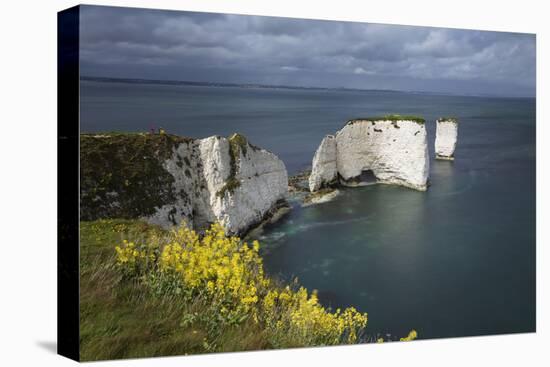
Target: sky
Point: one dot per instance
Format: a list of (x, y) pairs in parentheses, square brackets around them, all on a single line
[(207, 47)]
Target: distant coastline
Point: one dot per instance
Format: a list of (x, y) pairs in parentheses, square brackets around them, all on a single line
[(268, 86), (216, 84)]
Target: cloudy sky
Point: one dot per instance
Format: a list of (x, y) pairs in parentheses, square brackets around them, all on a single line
[(152, 44)]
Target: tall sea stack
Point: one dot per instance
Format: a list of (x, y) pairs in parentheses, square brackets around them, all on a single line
[(445, 138), (390, 150)]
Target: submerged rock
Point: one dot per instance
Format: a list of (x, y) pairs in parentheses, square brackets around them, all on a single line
[(168, 179), (445, 138), (322, 196), (391, 150)]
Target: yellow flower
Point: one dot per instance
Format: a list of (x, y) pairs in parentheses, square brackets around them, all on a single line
[(230, 274), (412, 335)]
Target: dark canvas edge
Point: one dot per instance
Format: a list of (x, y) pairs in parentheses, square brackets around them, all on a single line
[(68, 242)]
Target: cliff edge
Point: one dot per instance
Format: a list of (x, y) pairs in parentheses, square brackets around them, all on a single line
[(167, 179)]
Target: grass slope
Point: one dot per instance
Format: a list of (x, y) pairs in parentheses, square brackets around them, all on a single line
[(119, 318), (149, 313)]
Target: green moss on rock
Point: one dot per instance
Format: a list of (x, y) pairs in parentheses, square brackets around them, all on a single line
[(237, 144), (230, 185), (122, 174)]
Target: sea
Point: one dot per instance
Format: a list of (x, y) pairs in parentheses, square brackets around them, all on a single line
[(456, 260)]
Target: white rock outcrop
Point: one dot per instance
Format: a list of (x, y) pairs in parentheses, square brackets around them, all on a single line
[(324, 170), (244, 185), (222, 180), (168, 179), (389, 150), (445, 138)]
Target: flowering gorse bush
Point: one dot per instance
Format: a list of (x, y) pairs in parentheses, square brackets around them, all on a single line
[(227, 275), (412, 335), (300, 316), (226, 271), (134, 259)]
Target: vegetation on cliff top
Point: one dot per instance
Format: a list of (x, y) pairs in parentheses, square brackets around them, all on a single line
[(417, 119), (452, 119), (122, 174), (169, 293)]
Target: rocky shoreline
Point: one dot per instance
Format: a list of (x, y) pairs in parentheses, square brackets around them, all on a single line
[(299, 191)]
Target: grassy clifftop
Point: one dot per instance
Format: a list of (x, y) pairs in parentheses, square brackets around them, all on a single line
[(447, 118), (121, 174), (417, 119)]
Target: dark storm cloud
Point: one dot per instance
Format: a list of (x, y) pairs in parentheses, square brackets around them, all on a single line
[(137, 43)]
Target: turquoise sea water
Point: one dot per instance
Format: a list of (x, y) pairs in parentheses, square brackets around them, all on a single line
[(456, 260)]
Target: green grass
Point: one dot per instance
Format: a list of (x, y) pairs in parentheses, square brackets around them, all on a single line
[(120, 318), (147, 314), (393, 117)]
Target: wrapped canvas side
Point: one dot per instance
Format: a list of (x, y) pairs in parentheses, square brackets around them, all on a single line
[(68, 182)]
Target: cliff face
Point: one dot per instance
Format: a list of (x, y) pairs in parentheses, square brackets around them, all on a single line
[(325, 171), (244, 185), (445, 138), (168, 179), (380, 150)]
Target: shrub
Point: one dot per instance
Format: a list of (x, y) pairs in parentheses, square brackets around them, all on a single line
[(412, 335), (227, 274), (134, 259)]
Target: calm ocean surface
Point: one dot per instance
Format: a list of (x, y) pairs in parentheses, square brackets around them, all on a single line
[(456, 260)]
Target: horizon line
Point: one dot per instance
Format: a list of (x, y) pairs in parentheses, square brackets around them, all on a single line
[(279, 86)]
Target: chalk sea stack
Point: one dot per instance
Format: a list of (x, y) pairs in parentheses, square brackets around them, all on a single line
[(445, 138), (391, 149), (167, 179)]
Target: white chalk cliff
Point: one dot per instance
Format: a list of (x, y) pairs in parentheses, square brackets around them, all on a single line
[(389, 150), (229, 181), (445, 138), (167, 179), (324, 163)]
